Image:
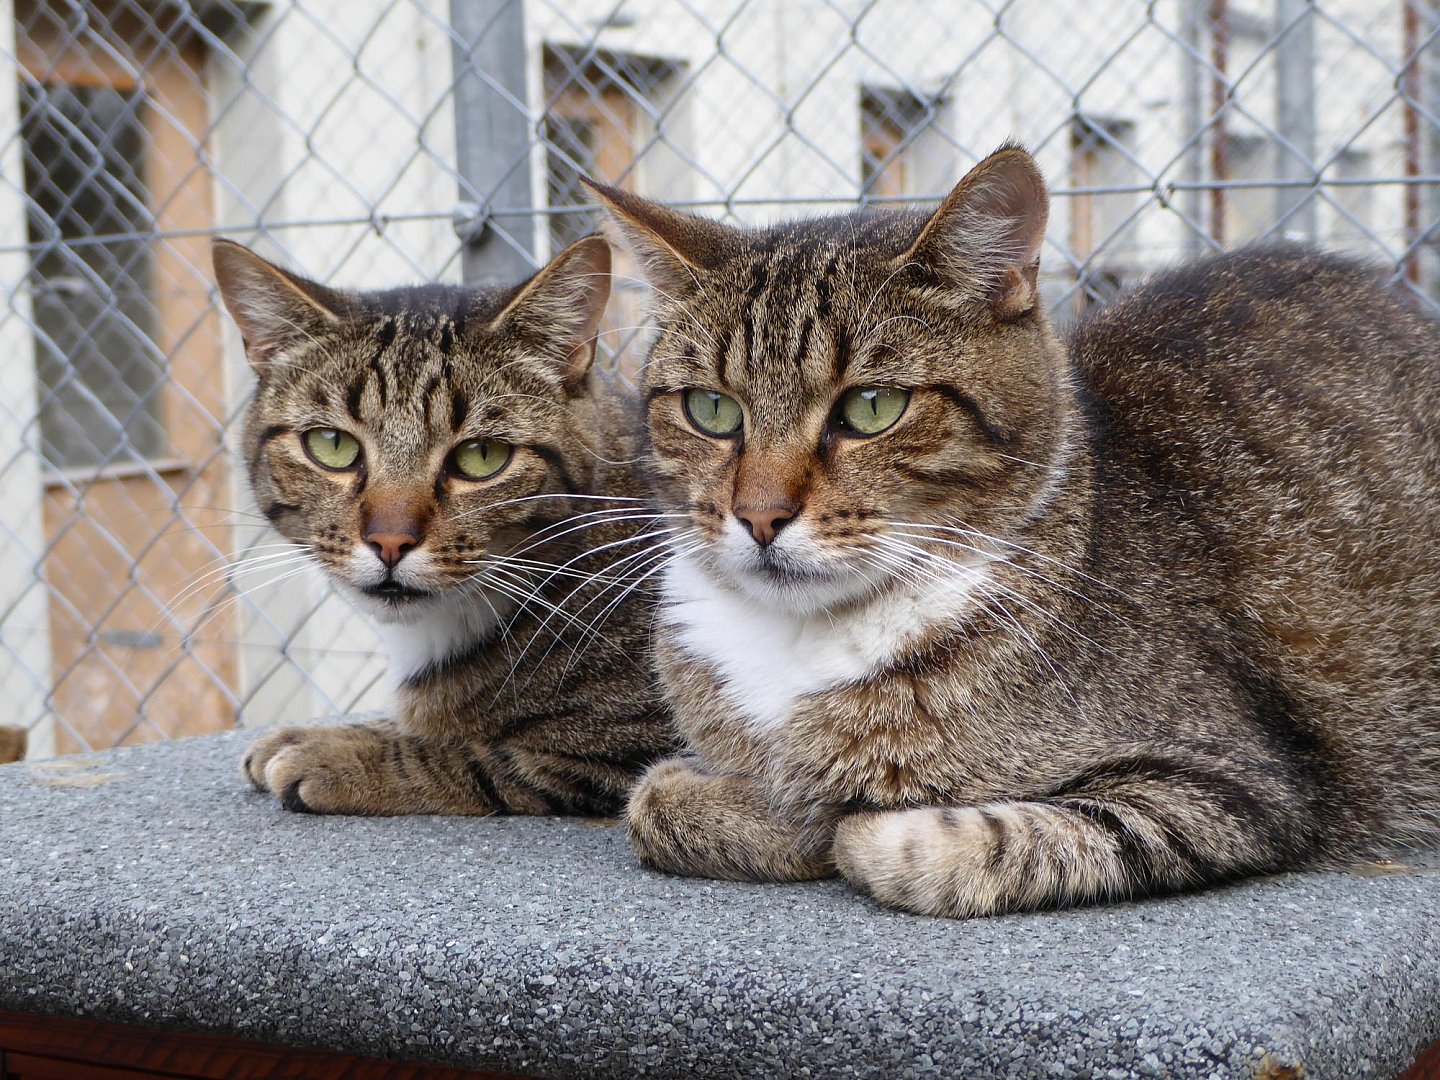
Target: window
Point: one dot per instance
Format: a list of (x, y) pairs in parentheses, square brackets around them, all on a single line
[(890, 121), (603, 118), (599, 121), (572, 152), (100, 372), (114, 113), (1102, 215)]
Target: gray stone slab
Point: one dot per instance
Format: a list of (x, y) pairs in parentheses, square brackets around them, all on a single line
[(149, 887)]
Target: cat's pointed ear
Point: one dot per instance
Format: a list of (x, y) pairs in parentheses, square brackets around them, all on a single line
[(984, 240), (673, 249), (273, 307), (564, 302)]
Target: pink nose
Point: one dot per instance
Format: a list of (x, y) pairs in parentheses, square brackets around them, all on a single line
[(765, 522), (390, 548)]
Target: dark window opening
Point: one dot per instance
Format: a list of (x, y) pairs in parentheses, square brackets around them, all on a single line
[(91, 272)]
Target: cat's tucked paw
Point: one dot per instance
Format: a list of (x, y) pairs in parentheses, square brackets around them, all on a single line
[(259, 753), (315, 770), (686, 821)]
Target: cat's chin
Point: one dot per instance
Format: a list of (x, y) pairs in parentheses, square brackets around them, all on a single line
[(395, 606), (806, 594), (789, 586), (788, 575)]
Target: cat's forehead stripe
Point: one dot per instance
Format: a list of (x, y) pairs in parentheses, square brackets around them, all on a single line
[(354, 395), (802, 346), (377, 371), (787, 306), (823, 286)]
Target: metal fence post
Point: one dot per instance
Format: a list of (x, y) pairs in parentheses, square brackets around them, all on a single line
[(1192, 171), (492, 139), (1295, 119), (1429, 62)]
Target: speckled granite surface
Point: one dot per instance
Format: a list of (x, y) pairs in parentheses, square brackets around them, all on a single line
[(149, 887)]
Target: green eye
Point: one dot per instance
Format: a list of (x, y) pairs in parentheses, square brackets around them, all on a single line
[(713, 413), (331, 449), (480, 458), (871, 409)]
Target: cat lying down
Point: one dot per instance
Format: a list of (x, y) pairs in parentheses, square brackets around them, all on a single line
[(990, 620), (981, 618)]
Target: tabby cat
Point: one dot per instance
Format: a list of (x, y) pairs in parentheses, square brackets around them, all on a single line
[(438, 451), (987, 624)]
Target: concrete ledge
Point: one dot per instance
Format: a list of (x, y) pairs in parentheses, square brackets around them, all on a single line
[(147, 887)]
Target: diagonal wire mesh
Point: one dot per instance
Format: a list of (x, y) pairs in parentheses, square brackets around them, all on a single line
[(368, 142)]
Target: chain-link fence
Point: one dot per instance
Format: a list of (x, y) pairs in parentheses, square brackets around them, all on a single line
[(368, 142)]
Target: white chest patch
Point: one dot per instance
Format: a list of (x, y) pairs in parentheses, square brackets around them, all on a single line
[(768, 659), (434, 635)]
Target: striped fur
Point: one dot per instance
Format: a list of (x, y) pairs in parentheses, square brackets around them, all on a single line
[(517, 646), (1144, 613)]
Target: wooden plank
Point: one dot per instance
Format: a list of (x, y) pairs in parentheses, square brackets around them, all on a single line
[(29, 1067), (1427, 1065), (73, 1044)]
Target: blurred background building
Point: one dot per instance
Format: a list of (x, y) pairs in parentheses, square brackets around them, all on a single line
[(369, 142)]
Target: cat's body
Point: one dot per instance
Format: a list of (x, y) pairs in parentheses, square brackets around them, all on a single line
[(1159, 613), (487, 521)]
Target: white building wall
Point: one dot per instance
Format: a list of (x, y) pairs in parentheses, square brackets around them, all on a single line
[(25, 662), (783, 87)]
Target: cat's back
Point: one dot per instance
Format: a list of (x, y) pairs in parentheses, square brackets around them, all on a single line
[(1277, 343), (1276, 406), (1280, 395)]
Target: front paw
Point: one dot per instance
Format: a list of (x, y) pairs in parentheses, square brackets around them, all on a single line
[(664, 815), (685, 821), (316, 770)]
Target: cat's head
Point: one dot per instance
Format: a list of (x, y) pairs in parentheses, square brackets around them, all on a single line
[(406, 437), (843, 403)]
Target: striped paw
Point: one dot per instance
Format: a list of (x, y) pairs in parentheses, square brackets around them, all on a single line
[(965, 861), (930, 861), (318, 770)]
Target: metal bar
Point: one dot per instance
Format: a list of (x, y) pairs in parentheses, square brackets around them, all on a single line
[(1295, 117), (1192, 108), (1421, 180), (492, 136), (1219, 101), (1410, 86)]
